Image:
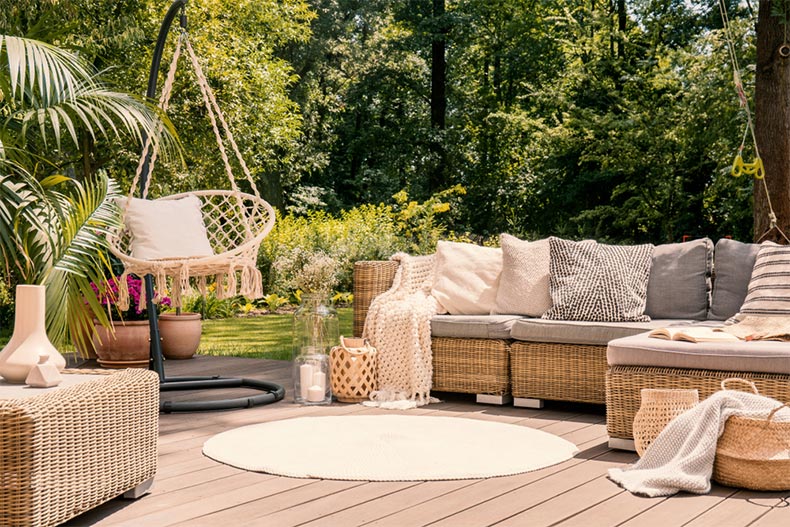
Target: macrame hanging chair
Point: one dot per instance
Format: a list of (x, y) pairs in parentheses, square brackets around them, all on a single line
[(235, 223)]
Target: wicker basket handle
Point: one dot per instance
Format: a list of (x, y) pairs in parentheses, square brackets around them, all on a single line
[(773, 412), (750, 384), (356, 346)]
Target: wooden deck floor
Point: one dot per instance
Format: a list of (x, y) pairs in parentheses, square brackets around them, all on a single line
[(192, 490)]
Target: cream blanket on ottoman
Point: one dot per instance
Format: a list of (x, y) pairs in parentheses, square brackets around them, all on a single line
[(398, 324), (681, 457)]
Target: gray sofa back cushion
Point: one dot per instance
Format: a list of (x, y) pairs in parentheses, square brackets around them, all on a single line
[(732, 270), (679, 282)]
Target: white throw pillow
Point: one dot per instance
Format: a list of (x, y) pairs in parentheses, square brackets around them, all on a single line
[(466, 277), (166, 229), (524, 285), (769, 287)]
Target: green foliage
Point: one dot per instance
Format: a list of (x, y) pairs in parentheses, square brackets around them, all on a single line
[(418, 226), (367, 232), (237, 42), (563, 117), (266, 337), (273, 302), (210, 307), (582, 119), (6, 308), (343, 299)]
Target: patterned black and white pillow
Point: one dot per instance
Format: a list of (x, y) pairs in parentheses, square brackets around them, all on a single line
[(769, 286), (597, 282)]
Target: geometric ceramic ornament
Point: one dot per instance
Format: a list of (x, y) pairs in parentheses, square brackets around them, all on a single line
[(44, 374)]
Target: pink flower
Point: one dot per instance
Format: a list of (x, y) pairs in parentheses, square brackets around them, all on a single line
[(107, 294)]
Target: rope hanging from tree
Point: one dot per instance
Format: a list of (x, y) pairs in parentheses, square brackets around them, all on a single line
[(236, 222), (739, 166)]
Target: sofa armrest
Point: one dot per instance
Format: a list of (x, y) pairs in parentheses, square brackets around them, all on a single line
[(371, 278)]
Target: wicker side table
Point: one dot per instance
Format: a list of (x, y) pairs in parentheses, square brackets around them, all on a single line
[(70, 449)]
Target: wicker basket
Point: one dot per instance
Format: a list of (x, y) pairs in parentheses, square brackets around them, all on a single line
[(658, 408), (353, 370), (754, 453)]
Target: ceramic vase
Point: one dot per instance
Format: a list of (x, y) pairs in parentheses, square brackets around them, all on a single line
[(29, 339), (180, 334)]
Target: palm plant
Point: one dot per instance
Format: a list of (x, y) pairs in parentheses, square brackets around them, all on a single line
[(53, 227)]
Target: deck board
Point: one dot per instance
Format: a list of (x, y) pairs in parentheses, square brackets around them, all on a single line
[(193, 490)]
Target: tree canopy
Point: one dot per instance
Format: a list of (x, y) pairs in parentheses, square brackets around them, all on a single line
[(616, 120)]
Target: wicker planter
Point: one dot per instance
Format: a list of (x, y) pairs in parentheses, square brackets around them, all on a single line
[(128, 348), (180, 334)]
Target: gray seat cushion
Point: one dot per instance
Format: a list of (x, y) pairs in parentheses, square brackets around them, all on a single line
[(754, 356), (582, 332), (473, 326)]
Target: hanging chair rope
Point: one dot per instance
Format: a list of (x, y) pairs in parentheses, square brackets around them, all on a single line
[(214, 113), (164, 104), (739, 167)]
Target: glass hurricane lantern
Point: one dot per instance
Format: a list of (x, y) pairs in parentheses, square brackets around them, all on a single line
[(315, 332)]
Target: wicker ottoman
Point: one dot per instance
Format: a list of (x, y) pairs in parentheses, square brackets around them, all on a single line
[(74, 447)]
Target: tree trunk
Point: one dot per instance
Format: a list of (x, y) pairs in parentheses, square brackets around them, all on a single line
[(438, 95), (622, 18), (772, 125), (271, 189)]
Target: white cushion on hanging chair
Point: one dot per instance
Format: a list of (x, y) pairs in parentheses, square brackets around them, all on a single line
[(167, 229)]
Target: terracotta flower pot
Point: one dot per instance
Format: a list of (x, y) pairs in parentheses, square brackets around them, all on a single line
[(128, 348), (180, 334)]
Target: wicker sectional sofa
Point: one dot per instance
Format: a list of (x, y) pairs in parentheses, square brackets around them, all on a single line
[(499, 357)]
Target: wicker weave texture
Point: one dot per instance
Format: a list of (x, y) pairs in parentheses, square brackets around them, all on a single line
[(371, 278), (354, 374), (466, 365), (236, 224), (658, 408), (753, 454), (68, 450), (558, 372), (624, 384)]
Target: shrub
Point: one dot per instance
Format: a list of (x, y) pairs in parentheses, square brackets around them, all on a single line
[(6, 307), (211, 307), (367, 232)]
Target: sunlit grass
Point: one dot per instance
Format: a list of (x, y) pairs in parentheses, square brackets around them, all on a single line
[(267, 337)]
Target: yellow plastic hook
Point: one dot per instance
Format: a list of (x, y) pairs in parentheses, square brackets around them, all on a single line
[(755, 168), (737, 166)]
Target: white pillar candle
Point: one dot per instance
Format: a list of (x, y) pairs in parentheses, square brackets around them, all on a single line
[(315, 394), (319, 379), (305, 379)]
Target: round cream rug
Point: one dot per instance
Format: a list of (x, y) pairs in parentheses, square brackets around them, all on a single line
[(388, 448)]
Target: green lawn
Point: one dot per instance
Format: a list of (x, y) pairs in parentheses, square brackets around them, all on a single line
[(267, 336)]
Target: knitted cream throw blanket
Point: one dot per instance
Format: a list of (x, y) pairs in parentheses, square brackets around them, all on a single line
[(398, 324), (681, 457)]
